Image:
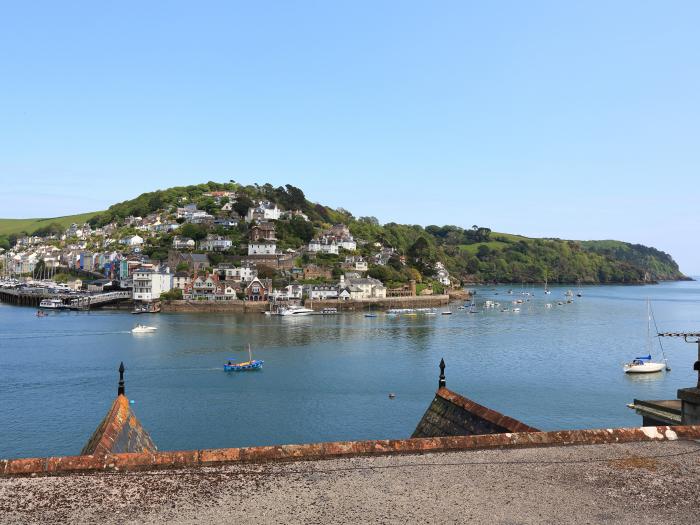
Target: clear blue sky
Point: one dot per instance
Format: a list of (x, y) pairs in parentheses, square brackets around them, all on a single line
[(570, 119)]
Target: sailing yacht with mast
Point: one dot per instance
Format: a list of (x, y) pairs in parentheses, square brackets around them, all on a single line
[(644, 364)]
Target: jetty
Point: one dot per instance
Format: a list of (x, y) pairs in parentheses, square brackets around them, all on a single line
[(29, 296)]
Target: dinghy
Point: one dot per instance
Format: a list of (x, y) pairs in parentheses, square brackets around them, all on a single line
[(251, 364)]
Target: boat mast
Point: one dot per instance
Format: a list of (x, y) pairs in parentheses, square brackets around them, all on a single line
[(250, 355)]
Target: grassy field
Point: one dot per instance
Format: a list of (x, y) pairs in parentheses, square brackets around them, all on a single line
[(495, 244), (8, 226)]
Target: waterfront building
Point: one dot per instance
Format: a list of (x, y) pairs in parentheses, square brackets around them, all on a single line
[(258, 290), (362, 287), (181, 280), (148, 284), (321, 291)]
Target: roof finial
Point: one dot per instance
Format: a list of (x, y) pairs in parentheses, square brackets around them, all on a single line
[(441, 383), (120, 390)]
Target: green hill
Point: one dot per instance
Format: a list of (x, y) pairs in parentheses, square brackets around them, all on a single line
[(28, 226), (475, 254)]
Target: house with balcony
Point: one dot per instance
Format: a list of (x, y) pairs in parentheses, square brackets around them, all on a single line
[(258, 290), (215, 243), (149, 284), (262, 248)]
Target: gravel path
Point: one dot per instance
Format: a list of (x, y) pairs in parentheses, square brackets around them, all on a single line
[(623, 483)]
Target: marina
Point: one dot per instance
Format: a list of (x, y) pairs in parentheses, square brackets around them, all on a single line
[(327, 377)]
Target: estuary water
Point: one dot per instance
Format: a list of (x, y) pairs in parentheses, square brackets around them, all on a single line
[(328, 377)]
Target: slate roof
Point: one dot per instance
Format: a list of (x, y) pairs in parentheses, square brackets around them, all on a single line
[(119, 431), (453, 415)]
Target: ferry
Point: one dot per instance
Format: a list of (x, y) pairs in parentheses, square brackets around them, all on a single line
[(51, 304)]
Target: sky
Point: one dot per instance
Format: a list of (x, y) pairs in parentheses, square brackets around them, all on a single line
[(577, 120)]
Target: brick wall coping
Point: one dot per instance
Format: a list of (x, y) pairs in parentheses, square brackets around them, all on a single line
[(340, 449)]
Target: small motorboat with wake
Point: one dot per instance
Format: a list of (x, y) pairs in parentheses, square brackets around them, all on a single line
[(143, 329), (251, 364)]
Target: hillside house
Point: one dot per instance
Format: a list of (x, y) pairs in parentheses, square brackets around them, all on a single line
[(215, 243), (262, 248), (183, 243), (265, 231)]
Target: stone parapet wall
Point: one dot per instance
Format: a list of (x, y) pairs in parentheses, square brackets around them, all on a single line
[(316, 451)]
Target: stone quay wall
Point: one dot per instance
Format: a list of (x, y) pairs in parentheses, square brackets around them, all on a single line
[(421, 301), (214, 306)]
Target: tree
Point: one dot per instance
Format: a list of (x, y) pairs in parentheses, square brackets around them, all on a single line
[(242, 204), (194, 231)]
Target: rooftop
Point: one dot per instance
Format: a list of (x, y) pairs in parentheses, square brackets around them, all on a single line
[(576, 484)]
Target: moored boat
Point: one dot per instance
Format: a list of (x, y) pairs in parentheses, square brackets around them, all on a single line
[(51, 304), (644, 364), (295, 311)]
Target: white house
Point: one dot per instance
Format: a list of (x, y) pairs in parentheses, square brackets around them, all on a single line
[(181, 280), (321, 291), (244, 274), (215, 243), (134, 240), (363, 287), (148, 285), (347, 244), (443, 276), (266, 211), (183, 243), (262, 247), (317, 246)]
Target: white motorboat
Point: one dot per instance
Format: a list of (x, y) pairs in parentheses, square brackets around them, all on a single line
[(644, 364), (295, 311), (51, 304), (143, 329)]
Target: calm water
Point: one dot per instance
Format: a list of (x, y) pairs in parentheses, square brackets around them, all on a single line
[(328, 378)]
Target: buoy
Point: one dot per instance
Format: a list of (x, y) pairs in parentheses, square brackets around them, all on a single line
[(392, 395)]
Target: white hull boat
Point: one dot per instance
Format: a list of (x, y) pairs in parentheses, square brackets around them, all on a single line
[(142, 329), (644, 364), (643, 367), (295, 311)]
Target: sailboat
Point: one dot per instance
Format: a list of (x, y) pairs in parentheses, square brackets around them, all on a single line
[(644, 364), (251, 364), (580, 292), (546, 290)]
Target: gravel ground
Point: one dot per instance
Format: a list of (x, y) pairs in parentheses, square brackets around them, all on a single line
[(620, 483)]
